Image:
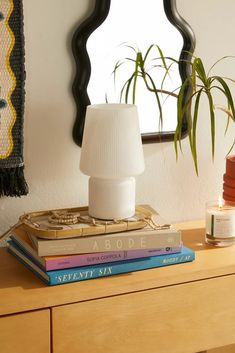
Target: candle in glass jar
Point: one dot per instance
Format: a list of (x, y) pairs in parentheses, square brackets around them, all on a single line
[(220, 223)]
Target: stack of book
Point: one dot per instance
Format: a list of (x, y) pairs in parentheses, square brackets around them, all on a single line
[(58, 261)]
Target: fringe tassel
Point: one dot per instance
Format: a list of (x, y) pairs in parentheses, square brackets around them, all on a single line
[(12, 182)]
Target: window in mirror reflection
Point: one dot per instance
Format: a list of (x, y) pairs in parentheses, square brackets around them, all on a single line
[(138, 24)]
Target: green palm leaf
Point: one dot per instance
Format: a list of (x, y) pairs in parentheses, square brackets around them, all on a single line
[(157, 99), (224, 57), (199, 68), (125, 89), (194, 130), (212, 120), (228, 94), (143, 66), (230, 150)]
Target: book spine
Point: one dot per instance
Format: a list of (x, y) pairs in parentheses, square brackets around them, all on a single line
[(134, 254), (79, 274), (83, 260), (104, 257), (112, 242)]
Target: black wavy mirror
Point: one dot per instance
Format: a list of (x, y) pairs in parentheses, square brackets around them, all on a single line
[(108, 35)]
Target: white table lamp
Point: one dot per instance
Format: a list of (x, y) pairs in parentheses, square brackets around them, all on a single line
[(112, 155)]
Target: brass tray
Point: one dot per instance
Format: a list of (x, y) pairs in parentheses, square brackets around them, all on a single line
[(75, 222)]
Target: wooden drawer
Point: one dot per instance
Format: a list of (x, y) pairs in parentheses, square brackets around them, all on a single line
[(25, 333), (174, 319)]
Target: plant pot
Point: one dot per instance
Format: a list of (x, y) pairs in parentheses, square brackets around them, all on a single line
[(230, 166), (229, 181), (229, 191), (228, 198)]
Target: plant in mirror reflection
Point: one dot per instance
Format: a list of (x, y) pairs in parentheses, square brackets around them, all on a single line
[(154, 71)]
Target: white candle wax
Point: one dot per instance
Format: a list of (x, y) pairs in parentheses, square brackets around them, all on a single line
[(220, 220)]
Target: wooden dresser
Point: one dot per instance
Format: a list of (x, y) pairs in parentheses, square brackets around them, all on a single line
[(182, 308)]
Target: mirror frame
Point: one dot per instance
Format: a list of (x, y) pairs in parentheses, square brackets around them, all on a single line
[(83, 65)]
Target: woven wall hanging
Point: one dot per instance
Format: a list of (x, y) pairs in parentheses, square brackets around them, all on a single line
[(12, 78)]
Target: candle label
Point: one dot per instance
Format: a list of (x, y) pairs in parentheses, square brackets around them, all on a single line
[(222, 226)]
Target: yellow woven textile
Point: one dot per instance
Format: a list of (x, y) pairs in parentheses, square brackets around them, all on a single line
[(12, 77)]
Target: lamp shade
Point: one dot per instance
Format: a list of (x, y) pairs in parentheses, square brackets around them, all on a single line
[(112, 146)]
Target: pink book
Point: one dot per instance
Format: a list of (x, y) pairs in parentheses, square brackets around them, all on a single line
[(59, 262), (49, 263)]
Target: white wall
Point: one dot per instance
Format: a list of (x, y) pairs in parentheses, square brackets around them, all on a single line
[(52, 158)]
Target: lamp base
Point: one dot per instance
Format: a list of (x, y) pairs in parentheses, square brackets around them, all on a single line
[(111, 198)]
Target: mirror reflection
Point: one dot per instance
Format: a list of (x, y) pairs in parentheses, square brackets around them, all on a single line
[(97, 46), (132, 23)]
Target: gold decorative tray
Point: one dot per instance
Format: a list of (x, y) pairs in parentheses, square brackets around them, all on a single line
[(74, 222)]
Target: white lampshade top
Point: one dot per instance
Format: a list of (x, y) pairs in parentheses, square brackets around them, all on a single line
[(112, 145)]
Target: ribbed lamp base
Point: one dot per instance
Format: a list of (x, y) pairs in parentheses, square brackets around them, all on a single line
[(111, 198)]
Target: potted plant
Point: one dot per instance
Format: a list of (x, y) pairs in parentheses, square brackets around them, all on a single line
[(200, 82)]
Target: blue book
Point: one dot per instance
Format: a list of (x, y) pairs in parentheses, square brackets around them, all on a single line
[(76, 274)]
